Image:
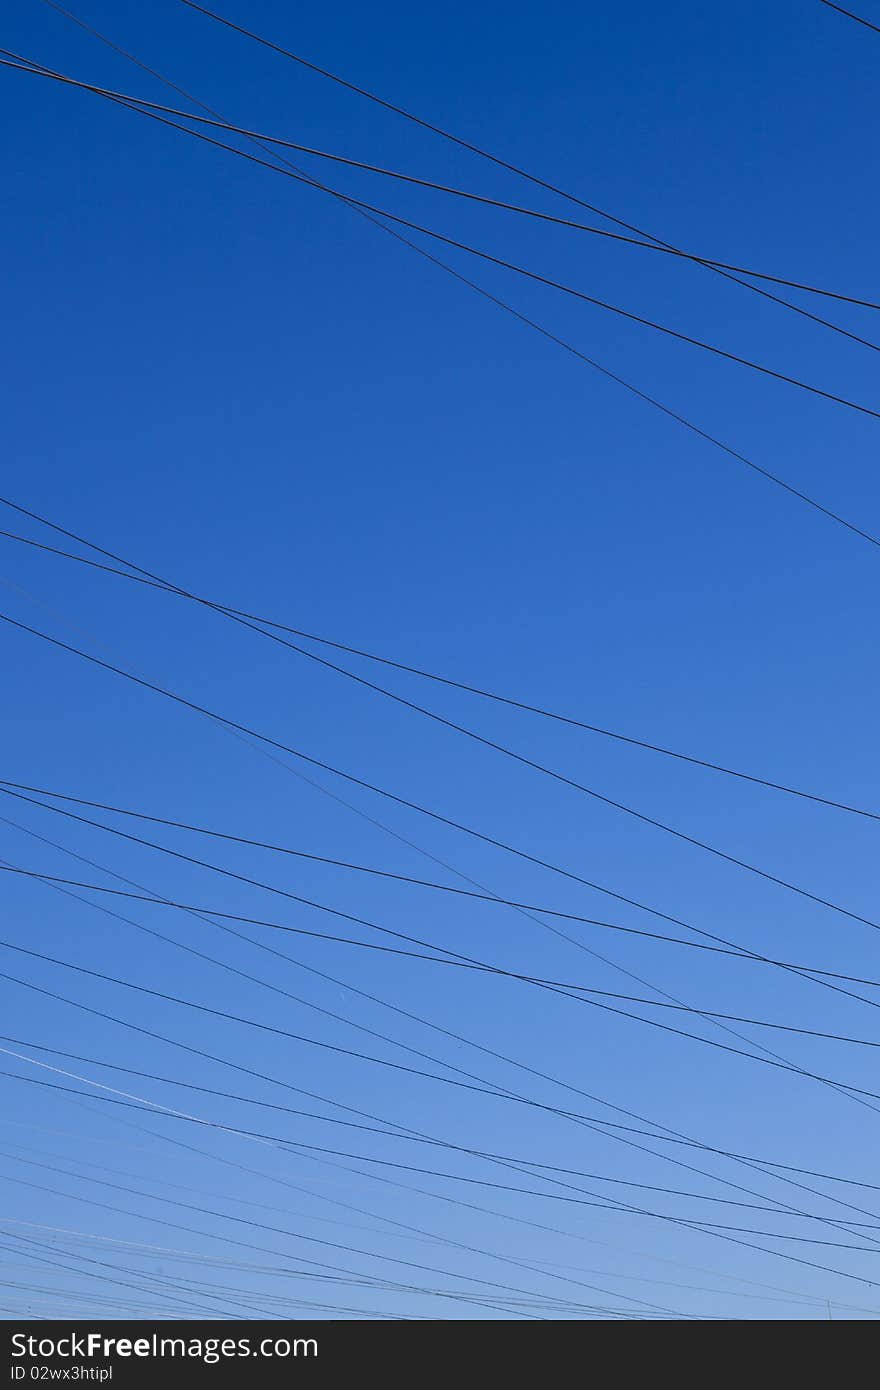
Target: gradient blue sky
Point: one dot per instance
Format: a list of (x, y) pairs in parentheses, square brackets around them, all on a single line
[(234, 380)]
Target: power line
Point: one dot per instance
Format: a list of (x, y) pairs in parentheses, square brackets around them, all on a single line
[(175, 1301), (778, 1060), (263, 1225), (461, 962), (258, 1225), (583, 358), (213, 921), (398, 800), (590, 1123), (507, 1158), (152, 110), (716, 1023), (708, 1228), (344, 984), (719, 1025), (541, 768), (559, 777), (446, 1239), (739, 953), (166, 586), (399, 1066), (286, 1144), (840, 10), (501, 163), (524, 319), (263, 138), (416, 1136), (224, 1262)]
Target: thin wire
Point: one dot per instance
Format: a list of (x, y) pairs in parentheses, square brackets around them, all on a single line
[(264, 140), (524, 319), (840, 10), (402, 801), (721, 1026), (446, 1240), (652, 245), (718, 266), (778, 1059), (707, 1228), (580, 1119), (166, 586), (385, 1062), (549, 1167), (493, 898), (552, 773), (143, 108)]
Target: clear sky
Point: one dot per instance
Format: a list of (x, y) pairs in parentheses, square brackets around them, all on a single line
[(235, 381)]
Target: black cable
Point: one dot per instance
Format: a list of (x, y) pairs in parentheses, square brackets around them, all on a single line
[(458, 1037), (492, 898), (278, 1230), (583, 1120), (778, 1059), (116, 1281), (840, 10), (264, 139), (722, 1026), (148, 895), (505, 1092), (292, 960), (409, 1135), (592, 1122), (581, 357), (166, 586), (707, 1228), (188, 1286), (552, 773), (564, 987), (399, 1066), (851, 1096), (413, 1136), (720, 267), (402, 801), (460, 961), (718, 1024), (389, 1134), (143, 108), (687, 1143), (212, 1235), (447, 1239)]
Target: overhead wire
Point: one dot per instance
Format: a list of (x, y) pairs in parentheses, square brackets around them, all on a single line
[(393, 797), (166, 586), (648, 245), (374, 871), (574, 993), (419, 1136), (544, 770), (675, 415), (470, 146), (714, 1228), (153, 110), (840, 10), (719, 1025)]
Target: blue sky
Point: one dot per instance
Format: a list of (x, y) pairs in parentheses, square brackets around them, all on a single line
[(233, 380)]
